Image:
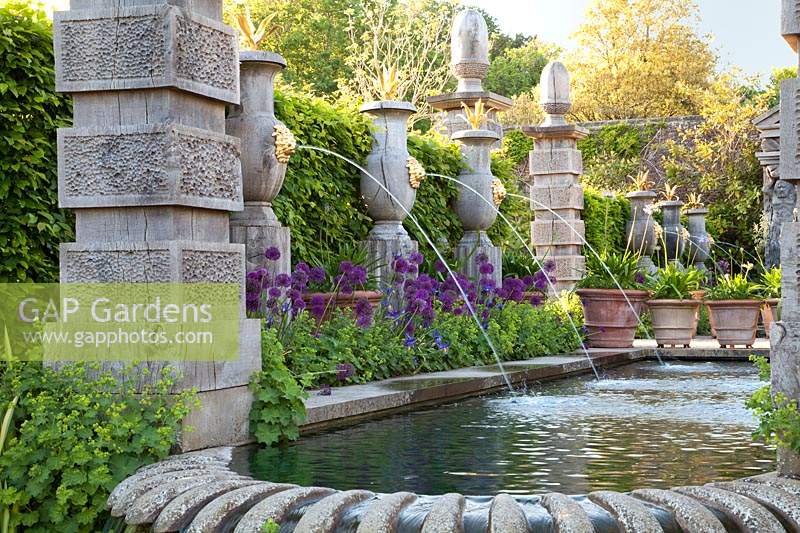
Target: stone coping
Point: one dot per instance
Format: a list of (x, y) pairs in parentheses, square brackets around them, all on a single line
[(349, 403), (200, 492)]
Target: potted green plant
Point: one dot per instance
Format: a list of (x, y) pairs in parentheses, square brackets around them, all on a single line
[(734, 307), (613, 297), (673, 309), (771, 292)]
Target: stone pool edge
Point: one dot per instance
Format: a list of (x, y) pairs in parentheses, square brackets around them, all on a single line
[(349, 404)]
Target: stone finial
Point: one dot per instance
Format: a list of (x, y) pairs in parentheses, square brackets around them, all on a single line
[(554, 87), (469, 50)]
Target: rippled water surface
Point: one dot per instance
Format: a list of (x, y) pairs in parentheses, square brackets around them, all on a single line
[(642, 425)]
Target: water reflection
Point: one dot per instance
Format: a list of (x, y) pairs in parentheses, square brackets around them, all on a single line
[(644, 425)]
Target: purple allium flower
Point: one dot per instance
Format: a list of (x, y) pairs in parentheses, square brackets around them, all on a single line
[(297, 306), (400, 265), (344, 371), (302, 267), (274, 292), (639, 278), (346, 289), (283, 280), (325, 390), (528, 281), (481, 258), (317, 308), (345, 267), (317, 275), (486, 268), (550, 266), (299, 279), (540, 280), (458, 311), (439, 266), (294, 294), (363, 307), (488, 284), (272, 253), (536, 300), (357, 275), (252, 302), (724, 266)]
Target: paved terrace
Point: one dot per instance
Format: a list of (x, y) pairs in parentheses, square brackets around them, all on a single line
[(354, 401)]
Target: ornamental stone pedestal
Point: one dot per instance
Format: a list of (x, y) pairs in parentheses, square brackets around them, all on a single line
[(469, 61), (556, 166), (674, 238), (474, 204), (785, 335), (151, 174), (699, 245), (641, 228), (388, 167), (254, 123)]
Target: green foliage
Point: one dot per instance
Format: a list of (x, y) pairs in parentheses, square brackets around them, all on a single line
[(612, 270), (778, 416), (31, 111), (733, 287), (278, 408), (772, 93), (771, 283), (516, 210), (612, 154), (605, 218), (517, 146), (518, 68), (77, 433), (518, 331), (674, 282)]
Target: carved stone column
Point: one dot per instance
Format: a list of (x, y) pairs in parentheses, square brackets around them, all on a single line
[(699, 244), (254, 123), (469, 60), (778, 196), (151, 174), (785, 335), (556, 166)]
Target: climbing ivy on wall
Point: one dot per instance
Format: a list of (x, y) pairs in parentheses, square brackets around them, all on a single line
[(605, 218), (30, 112)]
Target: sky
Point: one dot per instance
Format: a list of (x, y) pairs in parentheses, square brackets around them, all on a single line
[(746, 32)]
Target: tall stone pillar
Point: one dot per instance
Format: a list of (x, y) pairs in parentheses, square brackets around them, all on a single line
[(779, 196), (469, 60), (151, 174), (785, 335), (556, 167)]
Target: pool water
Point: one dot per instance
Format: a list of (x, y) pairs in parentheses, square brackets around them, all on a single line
[(642, 425)]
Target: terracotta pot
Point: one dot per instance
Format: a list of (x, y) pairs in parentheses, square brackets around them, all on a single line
[(734, 321), (343, 301), (674, 321), (697, 295), (769, 313), (609, 319)]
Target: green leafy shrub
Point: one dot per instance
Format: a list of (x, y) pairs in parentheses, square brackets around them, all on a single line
[(771, 283), (778, 416), (674, 282), (75, 437), (613, 270), (33, 226), (278, 408), (733, 287), (604, 218), (517, 146)]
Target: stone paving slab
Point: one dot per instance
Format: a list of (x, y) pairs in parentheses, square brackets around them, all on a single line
[(345, 404)]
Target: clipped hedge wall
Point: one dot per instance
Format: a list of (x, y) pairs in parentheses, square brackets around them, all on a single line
[(320, 200), (30, 111)]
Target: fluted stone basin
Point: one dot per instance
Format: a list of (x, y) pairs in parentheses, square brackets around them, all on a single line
[(197, 492)]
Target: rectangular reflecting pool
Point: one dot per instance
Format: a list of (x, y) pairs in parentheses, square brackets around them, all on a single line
[(642, 425)]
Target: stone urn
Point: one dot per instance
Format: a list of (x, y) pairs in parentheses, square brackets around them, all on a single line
[(476, 206), (699, 245), (735, 322), (640, 228), (388, 163), (264, 155), (674, 321), (611, 316), (674, 240)]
